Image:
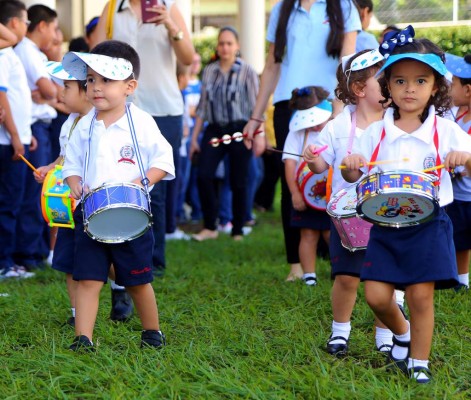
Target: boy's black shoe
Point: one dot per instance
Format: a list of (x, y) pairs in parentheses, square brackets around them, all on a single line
[(152, 338), (82, 342), (121, 305)]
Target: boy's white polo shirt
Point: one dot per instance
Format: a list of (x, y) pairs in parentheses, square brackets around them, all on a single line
[(418, 147), (13, 81), (34, 62), (113, 157), (336, 135)]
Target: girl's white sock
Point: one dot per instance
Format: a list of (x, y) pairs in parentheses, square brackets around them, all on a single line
[(340, 329)]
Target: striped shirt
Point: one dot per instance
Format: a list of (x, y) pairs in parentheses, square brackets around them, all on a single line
[(228, 96)]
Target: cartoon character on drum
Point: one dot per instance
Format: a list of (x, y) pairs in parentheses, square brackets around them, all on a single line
[(308, 190)]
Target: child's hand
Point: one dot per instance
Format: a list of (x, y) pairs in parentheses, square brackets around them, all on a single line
[(309, 153), (298, 201), (41, 173), (456, 158), (354, 162)]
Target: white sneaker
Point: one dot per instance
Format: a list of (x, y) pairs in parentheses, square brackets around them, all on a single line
[(227, 228), (246, 230), (177, 235), (17, 271)]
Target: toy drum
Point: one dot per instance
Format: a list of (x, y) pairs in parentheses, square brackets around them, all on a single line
[(57, 205), (354, 232), (116, 213), (397, 198), (312, 186)]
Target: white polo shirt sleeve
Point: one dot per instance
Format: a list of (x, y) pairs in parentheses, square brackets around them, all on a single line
[(293, 144)]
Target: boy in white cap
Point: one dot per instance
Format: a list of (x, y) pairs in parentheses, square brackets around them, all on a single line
[(111, 144), (460, 210)]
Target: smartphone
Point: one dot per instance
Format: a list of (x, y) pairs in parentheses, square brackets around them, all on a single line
[(146, 15)]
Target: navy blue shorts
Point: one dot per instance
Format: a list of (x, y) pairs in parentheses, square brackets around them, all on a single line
[(410, 255), (63, 259), (310, 219), (343, 261), (460, 214), (132, 260)]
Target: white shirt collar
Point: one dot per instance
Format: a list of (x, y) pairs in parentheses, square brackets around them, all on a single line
[(424, 133)]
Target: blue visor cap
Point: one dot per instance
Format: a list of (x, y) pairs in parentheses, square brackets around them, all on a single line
[(458, 66), (432, 60)]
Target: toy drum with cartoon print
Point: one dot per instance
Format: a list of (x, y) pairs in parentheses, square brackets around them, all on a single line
[(397, 198), (354, 232), (57, 205), (312, 186), (116, 213)]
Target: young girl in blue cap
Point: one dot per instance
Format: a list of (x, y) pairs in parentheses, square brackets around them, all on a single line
[(420, 257)]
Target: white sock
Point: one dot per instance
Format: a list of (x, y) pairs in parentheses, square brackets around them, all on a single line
[(73, 311), (464, 279), (310, 282), (114, 286), (399, 297), (341, 329), (399, 352), (383, 336), (417, 363)]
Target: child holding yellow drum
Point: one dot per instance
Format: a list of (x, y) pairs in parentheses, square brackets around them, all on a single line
[(56, 203)]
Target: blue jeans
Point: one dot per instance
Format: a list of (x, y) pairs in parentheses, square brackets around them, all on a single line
[(163, 195), (225, 196), (254, 179), (31, 247), (12, 177)]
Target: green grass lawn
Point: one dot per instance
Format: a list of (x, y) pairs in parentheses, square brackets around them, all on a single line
[(235, 330)]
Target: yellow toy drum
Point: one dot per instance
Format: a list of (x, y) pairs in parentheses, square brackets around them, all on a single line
[(57, 205)]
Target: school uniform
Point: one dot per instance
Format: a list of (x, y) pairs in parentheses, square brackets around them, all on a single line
[(425, 252), (309, 218), (336, 135), (460, 210), (14, 83), (113, 159), (63, 259), (30, 246)]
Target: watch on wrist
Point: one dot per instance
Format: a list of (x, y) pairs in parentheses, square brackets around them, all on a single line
[(178, 36)]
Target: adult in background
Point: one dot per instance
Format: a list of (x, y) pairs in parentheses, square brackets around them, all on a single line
[(306, 39), (228, 95), (160, 41)]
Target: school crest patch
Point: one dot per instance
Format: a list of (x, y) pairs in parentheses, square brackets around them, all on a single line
[(127, 154)]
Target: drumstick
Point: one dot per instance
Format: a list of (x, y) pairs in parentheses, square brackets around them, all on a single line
[(317, 151), (434, 168), (29, 164), (378, 162)]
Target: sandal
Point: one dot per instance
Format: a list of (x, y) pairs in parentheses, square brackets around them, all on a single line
[(401, 363), (337, 349), (420, 374), (295, 273)]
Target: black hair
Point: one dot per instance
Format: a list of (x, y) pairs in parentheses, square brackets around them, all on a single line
[(364, 4), (117, 49), (11, 9), (336, 22), (344, 91), (39, 13), (307, 97), (79, 44), (441, 100)]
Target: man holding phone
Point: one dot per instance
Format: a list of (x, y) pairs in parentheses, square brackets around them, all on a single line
[(157, 30)]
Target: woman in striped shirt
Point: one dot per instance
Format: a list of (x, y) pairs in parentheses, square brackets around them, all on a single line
[(229, 91)]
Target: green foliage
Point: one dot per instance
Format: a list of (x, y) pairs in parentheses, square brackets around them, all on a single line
[(235, 330), (206, 47)]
